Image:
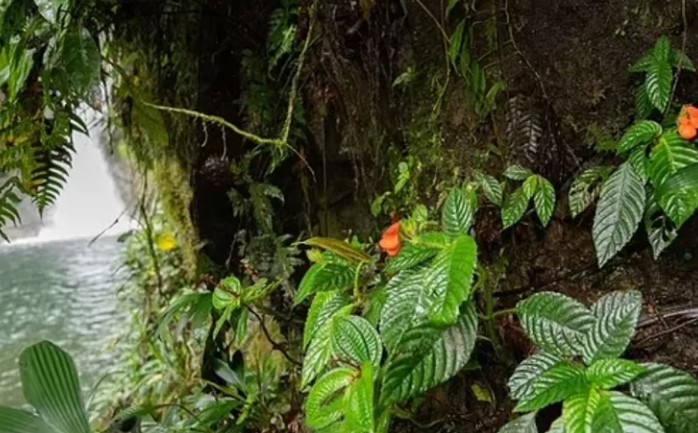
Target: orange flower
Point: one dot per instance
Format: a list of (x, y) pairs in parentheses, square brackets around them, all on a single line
[(688, 122), (687, 132), (390, 242)]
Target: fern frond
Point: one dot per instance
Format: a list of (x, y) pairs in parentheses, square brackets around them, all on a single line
[(51, 173), (9, 200)]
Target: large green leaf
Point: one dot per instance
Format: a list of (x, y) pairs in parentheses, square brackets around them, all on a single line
[(490, 187), (320, 348), (616, 317), (458, 214), (414, 373), (523, 424), (544, 200), (661, 230), (514, 207), (20, 421), (410, 256), (560, 382), (679, 195), (516, 172), (618, 413), (612, 372), (50, 383), (448, 280), (360, 405), (81, 60), (659, 76), (323, 307), (325, 403), (640, 162), (639, 134), (618, 212), (671, 394), (643, 105), (521, 381), (554, 322), (586, 188), (325, 276), (670, 155), (355, 339), (578, 412)]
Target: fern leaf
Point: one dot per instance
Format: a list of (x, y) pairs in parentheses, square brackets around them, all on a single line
[(9, 200), (618, 212), (616, 317), (50, 174)]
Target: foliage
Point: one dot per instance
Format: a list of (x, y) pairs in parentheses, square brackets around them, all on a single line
[(567, 331), (534, 187)]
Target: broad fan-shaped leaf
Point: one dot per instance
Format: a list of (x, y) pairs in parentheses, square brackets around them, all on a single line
[(448, 279), (360, 401), (618, 212), (319, 350), (610, 373), (523, 424), (661, 230), (326, 402), (560, 382), (521, 381), (414, 373), (616, 318), (544, 201), (671, 394), (410, 256), (490, 187), (514, 208), (325, 276), (355, 339), (458, 213), (50, 383), (516, 172), (639, 134), (618, 413), (554, 322), (20, 421), (586, 188)]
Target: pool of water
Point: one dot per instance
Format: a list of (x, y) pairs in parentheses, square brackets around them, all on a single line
[(62, 291)]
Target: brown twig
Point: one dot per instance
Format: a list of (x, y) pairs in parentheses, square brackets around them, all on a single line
[(274, 344), (667, 331)]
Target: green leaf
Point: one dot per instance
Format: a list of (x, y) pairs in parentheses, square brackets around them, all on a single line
[(558, 426), (679, 58), (81, 60), (50, 383), (544, 201), (661, 230), (360, 396), (323, 307), (658, 82), (354, 339), (662, 49), (679, 194), (325, 403), (49, 9), (523, 424), (521, 381), (554, 322), (490, 187), (642, 132), (640, 162), (586, 188), (227, 294), (643, 105), (448, 280), (670, 155), (20, 421), (459, 212), (671, 394), (325, 276), (618, 413), (579, 411), (410, 256), (516, 172), (339, 248), (561, 382), (618, 212), (609, 373), (320, 348), (616, 318), (530, 186), (514, 208), (411, 374), (643, 64)]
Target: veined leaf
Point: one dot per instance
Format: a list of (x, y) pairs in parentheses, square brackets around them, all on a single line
[(618, 212), (521, 381), (554, 322), (325, 402), (410, 256), (413, 374), (514, 208), (640, 162), (523, 424), (586, 188), (459, 212), (658, 82), (578, 412), (618, 413), (320, 348), (50, 383), (661, 230), (679, 194), (544, 201), (616, 317), (325, 276), (530, 186), (516, 172), (609, 373), (448, 280), (490, 187), (81, 60), (642, 132), (20, 421), (339, 248), (679, 59), (324, 306), (671, 394), (670, 155), (355, 339), (643, 105), (558, 426), (360, 414), (559, 383)]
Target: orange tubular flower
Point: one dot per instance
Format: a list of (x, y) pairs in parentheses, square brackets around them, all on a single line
[(390, 242), (688, 122)]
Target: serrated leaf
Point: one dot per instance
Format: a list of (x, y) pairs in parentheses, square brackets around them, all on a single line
[(517, 172), (671, 155), (679, 59), (640, 162), (609, 373), (578, 412), (449, 278), (643, 64), (671, 394), (320, 348), (586, 188), (20, 421), (554, 322), (618, 413), (521, 381), (662, 49), (679, 193), (523, 424), (354, 339), (459, 212), (325, 403), (544, 201), (658, 82), (661, 230), (514, 208), (50, 383), (323, 307), (618, 212), (360, 414), (325, 276), (642, 132), (643, 105), (490, 187), (410, 256), (339, 248), (616, 318), (560, 382), (412, 374)]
